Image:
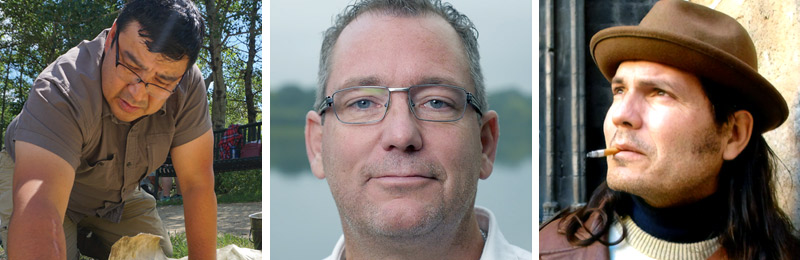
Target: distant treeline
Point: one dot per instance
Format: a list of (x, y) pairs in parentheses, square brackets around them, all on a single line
[(289, 105)]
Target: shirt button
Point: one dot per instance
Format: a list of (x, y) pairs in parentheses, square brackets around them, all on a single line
[(129, 164)]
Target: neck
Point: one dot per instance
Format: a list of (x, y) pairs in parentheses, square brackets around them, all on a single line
[(462, 241), (694, 222)]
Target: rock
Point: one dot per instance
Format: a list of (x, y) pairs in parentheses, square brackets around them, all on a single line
[(140, 247), (146, 247)]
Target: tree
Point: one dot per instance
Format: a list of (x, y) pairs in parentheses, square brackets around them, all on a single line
[(254, 30), (231, 60), (34, 33), (219, 96)]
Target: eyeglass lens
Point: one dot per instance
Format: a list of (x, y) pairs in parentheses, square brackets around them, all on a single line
[(130, 76), (429, 103)]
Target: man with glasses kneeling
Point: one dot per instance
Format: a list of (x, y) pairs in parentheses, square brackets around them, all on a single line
[(97, 120), (402, 135)]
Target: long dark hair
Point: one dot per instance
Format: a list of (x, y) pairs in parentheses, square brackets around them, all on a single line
[(756, 227)]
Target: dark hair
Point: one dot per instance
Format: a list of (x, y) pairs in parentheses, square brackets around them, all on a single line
[(175, 27), (756, 227)]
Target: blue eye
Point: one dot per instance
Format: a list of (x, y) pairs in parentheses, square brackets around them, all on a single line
[(363, 104), (436, 104)]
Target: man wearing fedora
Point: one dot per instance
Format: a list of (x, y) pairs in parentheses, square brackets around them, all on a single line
[(693, 175)]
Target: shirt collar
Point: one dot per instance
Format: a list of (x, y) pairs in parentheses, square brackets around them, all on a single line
[(495, 247)]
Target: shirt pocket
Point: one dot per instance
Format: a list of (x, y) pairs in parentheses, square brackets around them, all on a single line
[(101, 174), (158, 146)]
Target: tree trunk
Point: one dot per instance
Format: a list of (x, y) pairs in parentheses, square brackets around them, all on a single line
[(219, 97), (3, 110), (248, 74)]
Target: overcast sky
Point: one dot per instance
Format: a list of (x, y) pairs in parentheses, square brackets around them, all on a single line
[(504, 39)]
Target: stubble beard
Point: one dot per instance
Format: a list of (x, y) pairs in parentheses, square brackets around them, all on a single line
[(703, 147), (439, 213)]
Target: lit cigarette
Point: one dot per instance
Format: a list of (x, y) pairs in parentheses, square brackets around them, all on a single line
[(602, 152)]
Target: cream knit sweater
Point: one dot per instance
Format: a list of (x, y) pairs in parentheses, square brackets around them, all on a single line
[(646, 245)]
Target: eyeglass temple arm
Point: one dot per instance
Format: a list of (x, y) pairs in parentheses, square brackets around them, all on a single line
[(471, 101), (325, 105)]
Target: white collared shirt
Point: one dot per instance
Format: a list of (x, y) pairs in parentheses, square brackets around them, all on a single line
[(495, 248)]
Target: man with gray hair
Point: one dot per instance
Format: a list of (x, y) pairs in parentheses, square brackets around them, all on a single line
[(404, 175)]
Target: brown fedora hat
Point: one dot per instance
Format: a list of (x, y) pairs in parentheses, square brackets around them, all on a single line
[(701, 41)]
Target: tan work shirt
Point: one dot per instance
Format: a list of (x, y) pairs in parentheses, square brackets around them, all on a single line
[(66, 114)]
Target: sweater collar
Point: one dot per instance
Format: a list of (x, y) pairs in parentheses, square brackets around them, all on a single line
[(690, 223)]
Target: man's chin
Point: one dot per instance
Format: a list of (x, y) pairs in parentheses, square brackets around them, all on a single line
[(624, 181), (125, 117), (404, 219)]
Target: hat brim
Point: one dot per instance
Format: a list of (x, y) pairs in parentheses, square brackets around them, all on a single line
[(612, 46)]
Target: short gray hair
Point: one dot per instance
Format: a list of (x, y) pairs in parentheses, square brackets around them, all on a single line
[(404, 8)]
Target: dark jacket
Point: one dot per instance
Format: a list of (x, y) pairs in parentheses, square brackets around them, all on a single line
[(553, 244)]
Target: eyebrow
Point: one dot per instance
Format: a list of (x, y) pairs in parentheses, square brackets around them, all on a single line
[(648, 82), (438, 80), (164, 78), (362, 81)]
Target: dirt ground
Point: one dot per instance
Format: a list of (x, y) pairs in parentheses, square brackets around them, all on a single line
[(232, 218)]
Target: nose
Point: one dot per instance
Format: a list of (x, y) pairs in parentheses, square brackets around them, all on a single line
[(137, 91), (626, 112), (400, 127)]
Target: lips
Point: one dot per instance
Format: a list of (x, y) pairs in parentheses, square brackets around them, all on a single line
[(397, 180), (627, 148), (127, 107), (627, 152), (402, 175)]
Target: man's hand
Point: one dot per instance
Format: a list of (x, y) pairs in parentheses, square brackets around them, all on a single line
[(194, 168), (41, 188)]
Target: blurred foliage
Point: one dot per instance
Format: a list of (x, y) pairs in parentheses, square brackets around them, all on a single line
[(230, 187), (238, 186), (516, 122), (288, 108), (290, 103)]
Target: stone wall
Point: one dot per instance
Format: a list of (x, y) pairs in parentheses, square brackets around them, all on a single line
[(775, 29)]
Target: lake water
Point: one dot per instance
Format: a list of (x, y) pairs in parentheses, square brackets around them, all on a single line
[(305, 223)]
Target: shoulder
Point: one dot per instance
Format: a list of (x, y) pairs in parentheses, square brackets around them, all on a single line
[(190, 91), (192, 82), (74, 78), (338, 250), (496, 246), (552, 238), (553, 244), (79, 66)]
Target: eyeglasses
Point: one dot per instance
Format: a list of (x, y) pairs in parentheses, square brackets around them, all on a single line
[(131, 77), (429, 102)]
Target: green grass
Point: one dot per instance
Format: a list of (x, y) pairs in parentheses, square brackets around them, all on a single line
[(181, 249)]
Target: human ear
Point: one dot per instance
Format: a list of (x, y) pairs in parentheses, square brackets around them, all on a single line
[(313, 134), (490, 133), (110, 37), (741, 128)]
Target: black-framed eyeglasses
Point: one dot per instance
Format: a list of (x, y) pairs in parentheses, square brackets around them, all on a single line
[(428, 102), (131, 77)]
